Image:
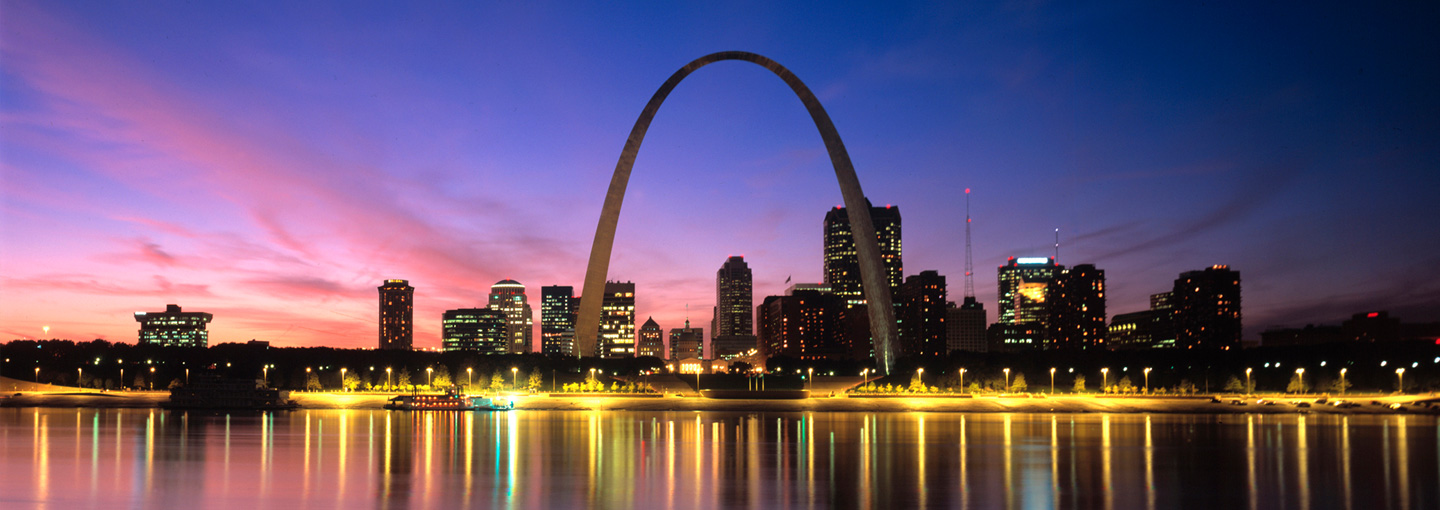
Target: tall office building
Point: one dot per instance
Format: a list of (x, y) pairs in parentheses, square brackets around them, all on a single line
[(1077, 309), (733, 328), (479, 330), (965, 326), (1024, 288), (557, 320), (733, 299), (174, 328), (652, 340), (1207, 309), (842, 265), (397, 315), (509, 296), (1147, 329), (616, 337), (687, 342), (922, 315)]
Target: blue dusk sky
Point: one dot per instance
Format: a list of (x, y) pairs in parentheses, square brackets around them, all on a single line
[(272, 162)]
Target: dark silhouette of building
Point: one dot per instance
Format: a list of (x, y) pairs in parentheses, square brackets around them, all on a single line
[(397, 315), (557, 320), (922, 315), (651, 340), (1025, 336), (479, 330), (805, 324), (173, 327), (1207, 309), (509, 296), (687, 342), (842, 267), (617, 321), (1364, 327), (1077, 309), (965, 326)]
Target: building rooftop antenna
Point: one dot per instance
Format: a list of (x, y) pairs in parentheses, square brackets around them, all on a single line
[(1057, 246), (969, 257)]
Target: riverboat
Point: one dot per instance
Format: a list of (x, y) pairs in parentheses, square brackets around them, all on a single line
[(211, 391), (448, 401)]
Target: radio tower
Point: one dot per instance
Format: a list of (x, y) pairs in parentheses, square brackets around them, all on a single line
[(969, 265)]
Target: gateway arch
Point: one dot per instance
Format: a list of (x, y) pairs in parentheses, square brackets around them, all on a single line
[(872, 270)]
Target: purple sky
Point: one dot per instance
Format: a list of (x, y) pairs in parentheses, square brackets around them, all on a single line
[(272, 162)]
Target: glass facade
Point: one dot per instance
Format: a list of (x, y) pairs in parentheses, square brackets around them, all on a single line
[(842, 265), (557, 320), (479, 330), (397, 314), (617, 321), (173, 327)]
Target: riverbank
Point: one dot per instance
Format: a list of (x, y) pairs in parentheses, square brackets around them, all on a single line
[(941, 404)]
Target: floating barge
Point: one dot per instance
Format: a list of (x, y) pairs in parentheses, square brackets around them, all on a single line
[(210, 391)]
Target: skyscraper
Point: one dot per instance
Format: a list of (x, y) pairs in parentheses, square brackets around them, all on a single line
[(651, 340), (733, 328), (1207, 309), (1077, 309), (687, 342), (842, 265), (804, 324), (1024, 288), (173, 327), (922, 315), (557, 320), (397, 314), (480, 330), (965, 326), (508, 296), (617, 321)]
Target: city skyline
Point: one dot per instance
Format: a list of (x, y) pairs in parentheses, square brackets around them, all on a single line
[(272, 172)]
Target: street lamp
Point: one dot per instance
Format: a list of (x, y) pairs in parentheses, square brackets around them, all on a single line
[(429, 371), (469, 375), (1342, 380), (342, 378), (1249, 388), (122, 378), (1400, 374), (152, 377), (1007, 380), (388, 384), (810, 376), (514, 372), (80, 374), (1300, 372), (865, 378), (962, 380), (187, 376), (1104, 379), (1147, 380), (37, 375), (1052, 380), (264, 373)]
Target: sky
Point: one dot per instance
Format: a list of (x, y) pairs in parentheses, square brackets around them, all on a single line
[(272, 163)]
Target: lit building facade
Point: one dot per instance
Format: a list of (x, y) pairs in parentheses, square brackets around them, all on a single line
[(651, 340), (842, 265), (1146, 329), (922, 315), (687, 342), (617, 321), (479, 330), (805, 324), (508, 296), (1024, 287), (174, 328), (965, 327), (1077, 309), (397, 315), (557, 320), (734, 314), (1207, 309)]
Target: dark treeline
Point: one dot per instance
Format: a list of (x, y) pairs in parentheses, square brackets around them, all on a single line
[(98, 364)]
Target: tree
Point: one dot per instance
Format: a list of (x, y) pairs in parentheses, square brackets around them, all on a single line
[(1341, 385), (402, 379), (916, 385), (1126, 386), (1079, 383), (351, 381), (497, 382), (1297, 384), (1233, 385), (441, 377), (1017, 384), (312, 381), (534, 381)]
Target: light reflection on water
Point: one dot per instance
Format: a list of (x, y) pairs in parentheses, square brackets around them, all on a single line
[(618, 459)]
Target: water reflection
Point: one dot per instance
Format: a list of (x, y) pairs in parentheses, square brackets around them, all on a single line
[(615, 459)]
